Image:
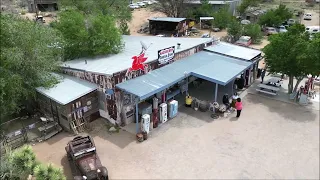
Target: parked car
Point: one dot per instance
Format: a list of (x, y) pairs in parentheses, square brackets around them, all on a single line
[(206, 35), (84, 160), (307, 16), (148, 2), (313, 29), (134, 6), (291, 22), (282, 29), (244, 41), (270, 30), (141, 4)]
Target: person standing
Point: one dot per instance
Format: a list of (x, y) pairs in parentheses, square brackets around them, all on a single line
[(234, 99), (238, 107), (263, 73)]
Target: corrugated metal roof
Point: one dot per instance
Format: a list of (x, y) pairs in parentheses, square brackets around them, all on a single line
[(234, 51), (68, 89), (217, 68), (118, 62), (167, 19)]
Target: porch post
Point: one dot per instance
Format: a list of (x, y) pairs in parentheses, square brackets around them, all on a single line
[(137, 118), (216, 93)]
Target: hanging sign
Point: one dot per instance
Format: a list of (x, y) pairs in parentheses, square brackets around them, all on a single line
[(165, 55)]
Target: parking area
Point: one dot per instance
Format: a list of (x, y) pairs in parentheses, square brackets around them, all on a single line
[(271, 140)]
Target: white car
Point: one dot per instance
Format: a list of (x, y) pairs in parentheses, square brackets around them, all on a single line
[(148, 2), (141, 4), (282, 29), (307, 16), (134, 6)]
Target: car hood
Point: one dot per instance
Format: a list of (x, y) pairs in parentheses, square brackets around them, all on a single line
[(88, 163)]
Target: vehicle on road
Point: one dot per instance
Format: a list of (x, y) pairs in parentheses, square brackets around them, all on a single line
[(270, 30), (84, 160), (291, 22), (313, 29), (244, 41), (307, 16)]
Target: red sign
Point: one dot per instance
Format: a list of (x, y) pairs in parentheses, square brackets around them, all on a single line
[(138, 63)]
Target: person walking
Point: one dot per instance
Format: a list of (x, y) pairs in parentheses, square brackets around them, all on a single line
[(238, 107), (263, 73)]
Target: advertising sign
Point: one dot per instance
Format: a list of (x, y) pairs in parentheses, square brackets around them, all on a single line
[(165, 55)]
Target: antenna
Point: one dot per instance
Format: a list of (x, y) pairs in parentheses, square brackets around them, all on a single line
[(144, 47)]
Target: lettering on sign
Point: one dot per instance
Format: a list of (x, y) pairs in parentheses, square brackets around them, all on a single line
[(165, 55)]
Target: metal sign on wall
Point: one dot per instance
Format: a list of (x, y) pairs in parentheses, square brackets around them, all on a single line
[(166, 55)]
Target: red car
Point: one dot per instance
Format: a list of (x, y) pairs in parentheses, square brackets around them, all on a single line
[(244, 41)]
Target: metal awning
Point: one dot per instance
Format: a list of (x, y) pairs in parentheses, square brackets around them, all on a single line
[(206, 65)]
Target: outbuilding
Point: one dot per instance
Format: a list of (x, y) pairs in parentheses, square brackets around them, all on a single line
[(168, 26)]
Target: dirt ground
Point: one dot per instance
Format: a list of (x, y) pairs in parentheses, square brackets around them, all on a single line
[(271, 140), (140, 18)]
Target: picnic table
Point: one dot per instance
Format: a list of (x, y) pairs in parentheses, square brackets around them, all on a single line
[(274, 82), (268, 89)]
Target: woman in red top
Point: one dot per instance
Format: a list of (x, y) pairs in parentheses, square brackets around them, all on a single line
[(238, 107)]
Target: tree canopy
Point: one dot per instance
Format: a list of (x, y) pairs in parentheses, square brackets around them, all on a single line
[(254, 31), (89, 27), (22, 162), (275, 17), (245, 4), (222, 17), (234, 29), (173, 8), (292, 53), (29, 53)]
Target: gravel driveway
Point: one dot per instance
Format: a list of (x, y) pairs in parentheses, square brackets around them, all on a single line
[(271, 139)]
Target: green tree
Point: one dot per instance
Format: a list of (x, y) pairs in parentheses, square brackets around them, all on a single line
[(289, 53), (254, 31), (20, 163), (275, 17), (42, 172), (89, 26), (222, 18), (235, 29), (245, 4), (124, 28), (29, 53), (204, 10), (172, 8)]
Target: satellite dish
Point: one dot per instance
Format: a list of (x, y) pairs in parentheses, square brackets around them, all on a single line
[(144, 46)]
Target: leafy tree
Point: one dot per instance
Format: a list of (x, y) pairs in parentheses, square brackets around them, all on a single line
[(291, 54), (204, 10), (29, 53), (20, 163), (173, 8), (254, 31), (275, 17), (88, 35), (42, 172), (245, 4), (235, 29), (124, 28), (222, 18)]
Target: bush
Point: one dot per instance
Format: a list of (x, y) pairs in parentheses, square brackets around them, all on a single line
[(254, 31), (22, 162)]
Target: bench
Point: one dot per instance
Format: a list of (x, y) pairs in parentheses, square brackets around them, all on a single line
[(267, 92)]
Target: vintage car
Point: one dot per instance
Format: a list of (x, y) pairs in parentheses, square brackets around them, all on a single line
[(84, 161), (244, 41)]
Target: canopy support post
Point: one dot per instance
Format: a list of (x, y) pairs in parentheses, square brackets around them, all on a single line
[(137, 118), (216, 93)]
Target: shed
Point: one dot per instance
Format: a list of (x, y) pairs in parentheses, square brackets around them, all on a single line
[(168, 26), (71, 102)]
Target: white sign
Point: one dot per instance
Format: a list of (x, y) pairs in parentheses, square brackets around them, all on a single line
[(165, 55)]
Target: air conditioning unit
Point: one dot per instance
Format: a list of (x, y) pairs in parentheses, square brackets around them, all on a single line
[(163, 113)]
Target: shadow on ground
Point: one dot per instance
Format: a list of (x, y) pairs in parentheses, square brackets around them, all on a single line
[(286, 110)]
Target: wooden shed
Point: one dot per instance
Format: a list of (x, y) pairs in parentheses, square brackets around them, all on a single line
[(72, 103), (168, 26)]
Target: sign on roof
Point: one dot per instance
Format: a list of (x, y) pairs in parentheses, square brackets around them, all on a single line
[(165, 55)]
